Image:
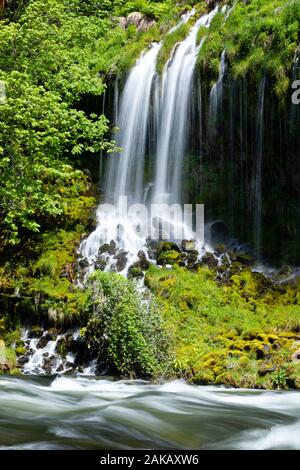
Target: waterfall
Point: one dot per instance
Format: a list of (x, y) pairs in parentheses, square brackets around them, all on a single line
[(216, 98), (258, 171), (150, 110), (174, 122), (125, 176), (126, 172)]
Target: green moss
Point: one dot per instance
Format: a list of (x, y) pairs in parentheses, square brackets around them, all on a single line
[(45, 267), (169, 42), (240, 333), (259, 37)]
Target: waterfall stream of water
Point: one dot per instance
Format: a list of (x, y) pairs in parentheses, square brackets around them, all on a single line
[(145, 100), (258, 171)]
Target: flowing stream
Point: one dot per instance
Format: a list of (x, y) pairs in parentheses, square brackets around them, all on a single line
[(86, 413)]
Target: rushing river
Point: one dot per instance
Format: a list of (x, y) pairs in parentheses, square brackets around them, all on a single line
[(89, 413)]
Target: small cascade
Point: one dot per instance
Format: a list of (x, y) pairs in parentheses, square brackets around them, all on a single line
[(49, 352), (258, 171), (216, 99)]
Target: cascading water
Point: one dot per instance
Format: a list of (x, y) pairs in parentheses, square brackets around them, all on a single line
[(126, 171), (49, 352), (174, 122), (144, 105), (258, 171)]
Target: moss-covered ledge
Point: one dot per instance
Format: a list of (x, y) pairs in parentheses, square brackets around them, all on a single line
[(244, 332)]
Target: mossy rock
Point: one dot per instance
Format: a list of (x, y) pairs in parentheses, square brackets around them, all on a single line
[(170, 257)]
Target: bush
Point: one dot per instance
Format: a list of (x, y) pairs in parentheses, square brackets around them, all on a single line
[(124, 330)]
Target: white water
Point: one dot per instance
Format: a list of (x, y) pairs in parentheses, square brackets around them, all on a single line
[(143, 102), (68, 413), (258, 172), (43, 356), (174, 121)]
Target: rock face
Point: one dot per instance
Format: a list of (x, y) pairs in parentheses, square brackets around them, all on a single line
[(137, 19)]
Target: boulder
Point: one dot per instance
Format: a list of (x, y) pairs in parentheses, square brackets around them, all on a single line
[(209, 260), (137, 19), (36, 331), (121, 258), (48, 364), (123, 22), (134, 18), (43, 341), (143, 261), (167, 246), (83, 263), (112, 247), (146, 24)]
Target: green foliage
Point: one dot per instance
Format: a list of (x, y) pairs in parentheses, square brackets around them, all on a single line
[(169, 43), (123, 330), (259, 37), (241, 333), (47, 64), (152, 9)]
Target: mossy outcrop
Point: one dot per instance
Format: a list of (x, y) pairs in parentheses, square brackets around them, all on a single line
[(243, 332)]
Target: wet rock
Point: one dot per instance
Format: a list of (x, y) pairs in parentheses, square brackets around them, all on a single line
[(112, 247), (135, 272), (245, 259), (36, 331), (103, 248), (209, 260), (69, 372), (192, 261), (53, 333), (100, 263), (48, 364), (42, 343), (22, 360), (285, 271), (83, 263), (70, 365), (220, 248), (121, 258), (143, 261), (167, 246), (64, 345), (60, 368)]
